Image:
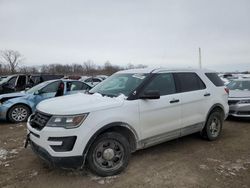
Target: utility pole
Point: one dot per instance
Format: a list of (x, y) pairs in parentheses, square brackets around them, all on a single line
[(200, 58)]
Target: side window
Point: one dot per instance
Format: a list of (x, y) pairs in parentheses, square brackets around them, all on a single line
[(74, 86), (85, 87), (213, 77), (189, 82), (12, 81), (51, 88), (164, 83)]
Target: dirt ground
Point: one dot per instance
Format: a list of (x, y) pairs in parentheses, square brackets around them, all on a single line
[(185, 162)]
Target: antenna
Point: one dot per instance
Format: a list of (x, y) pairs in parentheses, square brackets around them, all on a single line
[(200, 58)]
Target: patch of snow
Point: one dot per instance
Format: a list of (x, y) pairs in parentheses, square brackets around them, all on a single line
[(105, 180), (13, 151), (204, 167), (34, 173), (3, 154)]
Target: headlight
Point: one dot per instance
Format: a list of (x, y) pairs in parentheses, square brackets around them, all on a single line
[(244, 101), (66, 121)]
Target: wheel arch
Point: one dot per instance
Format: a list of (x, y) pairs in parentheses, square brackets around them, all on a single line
[(119, 127), (216, 106)]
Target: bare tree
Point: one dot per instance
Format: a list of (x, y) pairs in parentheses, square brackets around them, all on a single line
[(12, 58), (89, 67)]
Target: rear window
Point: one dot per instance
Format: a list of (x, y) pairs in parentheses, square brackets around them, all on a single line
[(189, 82), (213, 77)]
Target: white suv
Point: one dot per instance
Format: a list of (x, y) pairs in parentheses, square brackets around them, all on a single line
[(131, 110)]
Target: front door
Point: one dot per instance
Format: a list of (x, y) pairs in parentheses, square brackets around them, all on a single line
[(47, 92), (160, 119)]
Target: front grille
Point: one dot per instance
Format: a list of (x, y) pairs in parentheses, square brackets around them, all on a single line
[(243, 112), (231, 111), (232, 102), (38, 120)]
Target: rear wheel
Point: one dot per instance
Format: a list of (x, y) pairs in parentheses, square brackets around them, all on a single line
[(109, 154), (19, 113), (213, 127)]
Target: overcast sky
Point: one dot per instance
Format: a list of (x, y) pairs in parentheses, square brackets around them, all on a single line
[(151, 32)]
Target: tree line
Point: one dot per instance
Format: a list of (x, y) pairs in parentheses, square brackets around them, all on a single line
[(11, 62)]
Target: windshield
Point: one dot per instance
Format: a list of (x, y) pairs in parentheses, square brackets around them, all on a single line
[(36, 88), (3, 80), (243, 85), (119, 84)]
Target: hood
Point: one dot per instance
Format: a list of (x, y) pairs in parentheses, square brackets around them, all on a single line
[(5, 97), (78, 104), (239, 94)]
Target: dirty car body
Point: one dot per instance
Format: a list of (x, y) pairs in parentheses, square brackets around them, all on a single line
[(30, 98)]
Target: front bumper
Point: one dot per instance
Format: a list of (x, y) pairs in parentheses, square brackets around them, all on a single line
[(62, 162), (3, 112), (59, 146)]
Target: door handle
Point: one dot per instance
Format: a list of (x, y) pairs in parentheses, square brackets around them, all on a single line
[(174, 101), (207, 94)]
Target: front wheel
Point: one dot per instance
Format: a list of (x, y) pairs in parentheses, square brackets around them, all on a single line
[(109, 154), (213, 127), (18, 113)]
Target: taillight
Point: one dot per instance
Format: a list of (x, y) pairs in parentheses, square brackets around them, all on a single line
[(227, 90)]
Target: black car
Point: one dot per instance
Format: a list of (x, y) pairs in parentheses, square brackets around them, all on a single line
[(20, 82)]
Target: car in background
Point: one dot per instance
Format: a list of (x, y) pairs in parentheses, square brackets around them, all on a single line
[(103, 77), (93, 81), (20, 82), (39, 78), (17, 107), (239, 97), (2, 77), (225, 80)]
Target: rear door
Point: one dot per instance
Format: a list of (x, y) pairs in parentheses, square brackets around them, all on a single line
[(195, 98), (160, 119)]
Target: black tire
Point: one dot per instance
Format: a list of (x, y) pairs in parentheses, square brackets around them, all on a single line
[(213, 127), (108, 149), (18, 113)]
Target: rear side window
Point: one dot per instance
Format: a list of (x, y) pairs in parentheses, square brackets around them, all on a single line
[(51, 88), (75, 86), (164, 83), (213, 77), (12, 81), (188, 81)]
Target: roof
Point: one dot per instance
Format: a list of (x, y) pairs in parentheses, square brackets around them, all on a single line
[(159, 70)]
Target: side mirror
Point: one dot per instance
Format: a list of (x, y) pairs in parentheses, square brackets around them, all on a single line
[(151, 94)]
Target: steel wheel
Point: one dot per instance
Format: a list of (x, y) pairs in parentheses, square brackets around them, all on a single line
[(108, 154), (215, 127)]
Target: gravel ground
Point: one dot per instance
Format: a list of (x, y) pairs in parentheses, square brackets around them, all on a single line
[(185, 162)]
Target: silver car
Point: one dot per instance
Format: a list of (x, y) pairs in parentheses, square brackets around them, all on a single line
[(239, 98)]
